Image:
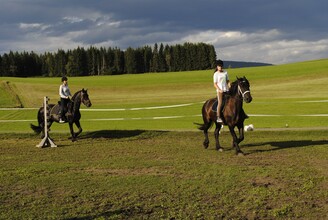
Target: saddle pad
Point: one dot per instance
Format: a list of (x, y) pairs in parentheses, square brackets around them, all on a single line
[(215, 104)]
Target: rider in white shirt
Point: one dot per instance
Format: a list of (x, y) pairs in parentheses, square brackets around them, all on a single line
[(221, 84), (64, 94)]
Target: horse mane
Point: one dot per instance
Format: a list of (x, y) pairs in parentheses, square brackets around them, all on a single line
[(74, 96), (234, 88), (73, 105)]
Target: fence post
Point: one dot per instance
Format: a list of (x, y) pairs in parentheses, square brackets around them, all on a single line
[(46, 141)]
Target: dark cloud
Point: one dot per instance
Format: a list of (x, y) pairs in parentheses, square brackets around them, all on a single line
[(253, 30)]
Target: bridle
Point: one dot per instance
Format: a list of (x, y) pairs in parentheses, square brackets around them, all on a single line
[(241, 92), (83, 100), (81, 96)]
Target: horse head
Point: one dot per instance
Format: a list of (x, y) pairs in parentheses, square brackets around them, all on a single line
[(85, 98), (244, 89)]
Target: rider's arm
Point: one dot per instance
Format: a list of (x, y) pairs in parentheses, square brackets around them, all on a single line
[(216, 87), (215, 80), (229, 84)]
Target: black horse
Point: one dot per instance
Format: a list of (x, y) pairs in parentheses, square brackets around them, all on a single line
[(73, 117), (232, 113)]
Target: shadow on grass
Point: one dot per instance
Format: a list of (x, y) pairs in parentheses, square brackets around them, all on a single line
[(115, 214), (118, 134), (278, 145)]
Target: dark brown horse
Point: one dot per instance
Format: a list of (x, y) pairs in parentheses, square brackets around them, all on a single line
[(73, 118), (232, 114)]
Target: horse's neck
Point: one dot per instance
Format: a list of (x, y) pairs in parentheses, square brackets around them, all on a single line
[(236, 99), (76, 104)]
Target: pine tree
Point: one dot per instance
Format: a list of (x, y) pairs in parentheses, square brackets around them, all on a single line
[(147, 56), (72, 67), (212, 56), (5, 65), (94, 61), (168, 58), (130, 61), (161, 59), (118, 61), (61, 61), (155, 60)]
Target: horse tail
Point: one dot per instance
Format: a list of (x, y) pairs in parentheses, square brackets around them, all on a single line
[(36, 129), (204, 126), (207, 122)]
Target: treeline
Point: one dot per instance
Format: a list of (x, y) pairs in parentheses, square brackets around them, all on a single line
[(109, 61)]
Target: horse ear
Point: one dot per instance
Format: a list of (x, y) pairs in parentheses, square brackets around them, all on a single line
[(237, 77)]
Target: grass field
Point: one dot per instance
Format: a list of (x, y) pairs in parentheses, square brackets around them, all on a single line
[(293, 94), (143, 174), (140, 155)]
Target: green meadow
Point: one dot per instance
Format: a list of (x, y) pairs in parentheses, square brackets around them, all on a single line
[(140, 156), (293, 94), (147, 174)]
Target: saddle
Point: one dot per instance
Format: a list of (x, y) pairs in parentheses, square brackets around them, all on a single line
[(215, 107), (67, 108)]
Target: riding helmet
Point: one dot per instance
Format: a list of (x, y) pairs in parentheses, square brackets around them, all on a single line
[(64, 78), (219, 63)]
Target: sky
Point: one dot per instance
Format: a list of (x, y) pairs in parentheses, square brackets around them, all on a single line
[(269, 31)]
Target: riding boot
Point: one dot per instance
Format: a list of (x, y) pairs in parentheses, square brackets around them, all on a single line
[(220, 96), (61, 120)]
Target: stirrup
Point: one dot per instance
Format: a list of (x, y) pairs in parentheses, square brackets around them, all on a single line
[(219, 120)]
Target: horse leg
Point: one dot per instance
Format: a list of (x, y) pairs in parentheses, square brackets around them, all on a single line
[(217, 134), (205, 130), (72, 131), (49, 124), (241, 133), (78, 125), (235, 141), (42, 130)]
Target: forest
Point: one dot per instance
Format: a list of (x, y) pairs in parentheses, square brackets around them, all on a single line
[(109, 61)]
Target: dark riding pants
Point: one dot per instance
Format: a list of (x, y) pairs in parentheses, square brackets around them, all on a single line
[(63, 107)]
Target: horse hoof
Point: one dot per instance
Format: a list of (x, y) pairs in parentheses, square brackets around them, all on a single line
[(240, 154), (205, 145)]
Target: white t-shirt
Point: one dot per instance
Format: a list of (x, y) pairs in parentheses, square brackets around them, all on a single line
[(221, 78)]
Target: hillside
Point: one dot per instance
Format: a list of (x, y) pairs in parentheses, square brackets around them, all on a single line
[(293, 94), (242, 64), (8, 97), (305, 79)]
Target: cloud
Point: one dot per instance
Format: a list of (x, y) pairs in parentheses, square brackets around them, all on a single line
[(73, 19), (274, 32), (271, 46)]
